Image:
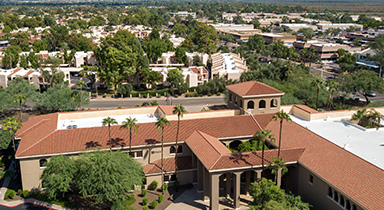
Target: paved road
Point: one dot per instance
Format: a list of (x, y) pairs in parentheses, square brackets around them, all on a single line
[(26, 206), (113, 103)]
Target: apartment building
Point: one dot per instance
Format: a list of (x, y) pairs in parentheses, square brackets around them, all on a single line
[(330, 170), (342, 26), (329, 51), (227, 65), (193, 75), (33, 76), (297, 26), (84, 58)]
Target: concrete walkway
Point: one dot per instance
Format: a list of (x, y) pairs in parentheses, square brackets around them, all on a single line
[(192, 200)]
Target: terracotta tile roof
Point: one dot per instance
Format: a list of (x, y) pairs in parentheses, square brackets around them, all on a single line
[(355, 177), (183, 163), (74, 140), (207, 148), (167, 110), (14, 72), (252, 88), (244, 159), (306, 108)]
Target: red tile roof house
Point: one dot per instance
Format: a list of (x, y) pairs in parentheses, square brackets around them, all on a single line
[(324, 174)]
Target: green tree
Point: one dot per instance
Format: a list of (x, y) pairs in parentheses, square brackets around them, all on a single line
[(181, 56), (59, 176), (108, 176), (60, 98), (307, 32), (205, 37), (11, 124), (160, 125), (108, 122), (281, 115), (24, 61), (319, 84), (129, 124), (180, 30), (261, 137), (176, 80), (265, 191), (179, 110), (378, 48), (150, 77), (256, 43), (20, 99), (276, 165), (20, 91), (332, 85), (11, 56), (5, 139), (362, 81)]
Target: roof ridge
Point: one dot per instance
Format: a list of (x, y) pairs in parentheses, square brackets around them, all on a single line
[(200, 132), (37, 142), (38, 123)]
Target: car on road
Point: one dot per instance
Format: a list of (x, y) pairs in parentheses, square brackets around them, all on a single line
[(370, 94)]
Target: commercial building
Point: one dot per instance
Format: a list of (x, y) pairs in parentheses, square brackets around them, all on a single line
[(325, 171), (342, 26), (329, 51), (183, 14), (297, 26)]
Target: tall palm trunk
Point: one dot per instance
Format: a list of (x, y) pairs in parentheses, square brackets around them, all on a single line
[(110, 140), (262, 157), (20, 107), (317, 99), (281, 128), (81, 96), (329, 99), (162, 168), (130, 140), (177, 149)]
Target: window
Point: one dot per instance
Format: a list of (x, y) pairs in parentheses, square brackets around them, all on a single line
[(348, 206), (251, 105), (262, 104), (330, 193), (230, 97), (336, 197), (354, 207), (172, 150), (166, 178), (131, 154), (43, 163), (342, 201), (139, 154), (310, 179), (173, 177), (273, 103)]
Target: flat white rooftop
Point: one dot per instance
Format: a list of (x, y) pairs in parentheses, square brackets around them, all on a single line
[(97, 121), (368, 145)]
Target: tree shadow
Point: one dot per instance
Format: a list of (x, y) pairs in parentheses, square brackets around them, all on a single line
[(151, 141), (237, 157), (115, 142), (92, 144)]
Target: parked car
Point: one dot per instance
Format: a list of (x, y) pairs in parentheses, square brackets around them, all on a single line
[(370, 94)]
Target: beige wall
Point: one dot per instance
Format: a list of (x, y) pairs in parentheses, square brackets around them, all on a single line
[(204, 115), (316, 193), (3, 81), (242, 103), (30, 174), (106, 113)]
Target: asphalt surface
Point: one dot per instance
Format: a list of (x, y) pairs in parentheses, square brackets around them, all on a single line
[(131, 102)]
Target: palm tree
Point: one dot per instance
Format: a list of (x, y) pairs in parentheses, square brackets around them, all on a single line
[(261, 137), (11, 124), (332, 85), (179, 110), (81, 84), (160, 124), (130, 124), (108, 122), (276, 165), (282, 116), (20, 100), (319, 83)]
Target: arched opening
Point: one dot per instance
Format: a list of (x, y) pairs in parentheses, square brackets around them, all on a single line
[(172, 149), (336, 196), (262, 104), (43, 163), (236, 101), (234, 144), (330, 193), (273, 103), (342, 201), (348, 205), (241, 103), (250, 105), (230, 97), (354, 207)]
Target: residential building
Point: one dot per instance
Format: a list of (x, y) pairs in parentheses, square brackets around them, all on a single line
[(193, 75), (331, 165), (84, 58), (33, 76), (183, 14), (227, 65), (329, 51)]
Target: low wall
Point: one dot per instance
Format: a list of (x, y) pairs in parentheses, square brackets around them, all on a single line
[(106, 113), (207, 114)]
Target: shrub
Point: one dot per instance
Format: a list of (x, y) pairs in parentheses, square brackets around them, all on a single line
[(209, 94), (10, 194), (196, 95), (161, 198), (119, 107), (154, 103), (143, 192), (187, 95), (218, 93), (25, 193), (165, 187), (145, 201), (145, 207), (19, 192), (131, 200), (154, 185), (154, 204), (158, 96)]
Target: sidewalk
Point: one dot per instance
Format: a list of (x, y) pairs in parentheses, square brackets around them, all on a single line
[(154, 98)]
